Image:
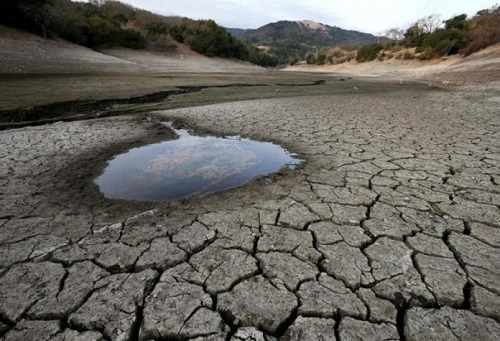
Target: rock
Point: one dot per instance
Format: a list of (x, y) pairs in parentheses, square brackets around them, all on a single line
[(25, 284), (311, 329), (161, 255), (380, 310), (355, 330), (347, 264), (222, 268), (448, 324), (113, 308), (255, 302), (329, 297), (285, 267)]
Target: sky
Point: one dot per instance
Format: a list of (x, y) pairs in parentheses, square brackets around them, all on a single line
[(371, 16)]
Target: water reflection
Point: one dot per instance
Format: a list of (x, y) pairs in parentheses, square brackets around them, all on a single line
[(190, 166)]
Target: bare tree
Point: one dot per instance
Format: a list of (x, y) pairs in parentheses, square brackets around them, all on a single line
[(395, 34), (430, 23)]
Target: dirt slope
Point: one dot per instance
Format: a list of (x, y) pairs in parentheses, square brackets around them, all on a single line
[(481, 67), (24, 53)]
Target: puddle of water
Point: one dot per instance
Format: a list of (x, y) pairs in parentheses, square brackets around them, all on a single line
[(190, 166)]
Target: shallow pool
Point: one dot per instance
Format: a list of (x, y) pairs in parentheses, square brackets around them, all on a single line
[(190, 166)]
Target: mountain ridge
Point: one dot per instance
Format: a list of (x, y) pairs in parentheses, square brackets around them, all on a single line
[(291, 40)]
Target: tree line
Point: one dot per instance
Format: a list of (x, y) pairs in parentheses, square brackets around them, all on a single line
[(104, 23), (430, 37)]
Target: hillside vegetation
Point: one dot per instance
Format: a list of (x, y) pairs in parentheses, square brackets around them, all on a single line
[(429, 37), (106, 23), (289, 41)]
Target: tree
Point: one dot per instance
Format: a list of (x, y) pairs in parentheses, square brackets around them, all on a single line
[(430, 23), (156, 28), (395, 34), (41, 13)]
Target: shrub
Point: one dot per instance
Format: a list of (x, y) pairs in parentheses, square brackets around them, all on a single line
[(311, 58), (368, 52), (408, 55)]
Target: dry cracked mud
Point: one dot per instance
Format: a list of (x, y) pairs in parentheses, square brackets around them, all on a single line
[(389, 231)]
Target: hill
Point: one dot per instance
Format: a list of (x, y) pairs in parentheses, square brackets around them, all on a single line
[(26, 53), (291, 40), (236, 31), (109, 24)]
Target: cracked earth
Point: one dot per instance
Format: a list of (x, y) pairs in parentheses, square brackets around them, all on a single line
[(389, 231)]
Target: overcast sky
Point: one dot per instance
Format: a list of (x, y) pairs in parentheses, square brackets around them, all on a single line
[(373, 16)]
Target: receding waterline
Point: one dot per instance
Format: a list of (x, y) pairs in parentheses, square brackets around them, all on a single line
[(190, 166)]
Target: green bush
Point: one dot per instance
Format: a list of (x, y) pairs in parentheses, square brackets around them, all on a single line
[(131, 39), (369, 52)]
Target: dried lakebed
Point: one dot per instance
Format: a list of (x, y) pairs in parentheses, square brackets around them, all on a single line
[(390, 231)]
